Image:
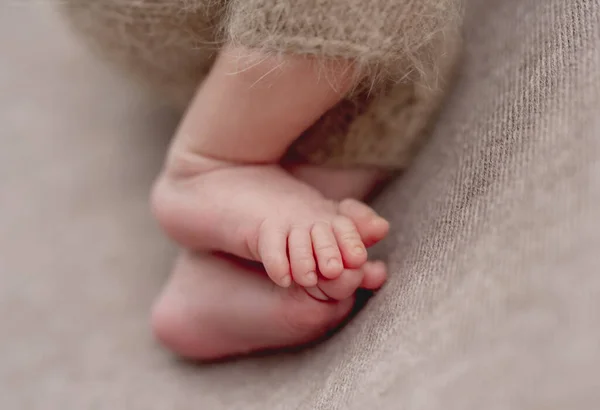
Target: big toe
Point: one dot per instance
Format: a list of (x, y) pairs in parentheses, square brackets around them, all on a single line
[(370, 225)]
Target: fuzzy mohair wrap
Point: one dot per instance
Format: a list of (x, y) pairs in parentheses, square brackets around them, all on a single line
[(404, 51)]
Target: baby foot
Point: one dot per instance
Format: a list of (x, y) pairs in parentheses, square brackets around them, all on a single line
[(191, 319), (263, 214)]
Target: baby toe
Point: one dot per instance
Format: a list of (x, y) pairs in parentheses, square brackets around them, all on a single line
[(349, 242), (326, 250), (272, 249), (371, 227), (301, 256)]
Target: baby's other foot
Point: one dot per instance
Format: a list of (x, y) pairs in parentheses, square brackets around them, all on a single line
[(215, 307)]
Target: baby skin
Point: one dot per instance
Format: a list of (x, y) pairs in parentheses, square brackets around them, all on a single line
[(222, 191)]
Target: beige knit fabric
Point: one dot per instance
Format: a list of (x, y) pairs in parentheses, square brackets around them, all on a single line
[(387, 38), (494, 294), (168, 45), (404, 52)]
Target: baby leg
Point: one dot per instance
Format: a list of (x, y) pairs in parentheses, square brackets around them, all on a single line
[(218, 191)]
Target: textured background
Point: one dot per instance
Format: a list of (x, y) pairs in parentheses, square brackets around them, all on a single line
[(495, 293)]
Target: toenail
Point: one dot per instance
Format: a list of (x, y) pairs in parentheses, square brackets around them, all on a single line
[(359, 250), (380, 221), (333, 264), (311, 277), (286, 281)]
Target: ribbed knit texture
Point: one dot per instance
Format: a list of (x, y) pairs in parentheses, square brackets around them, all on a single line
[(404, 52)]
